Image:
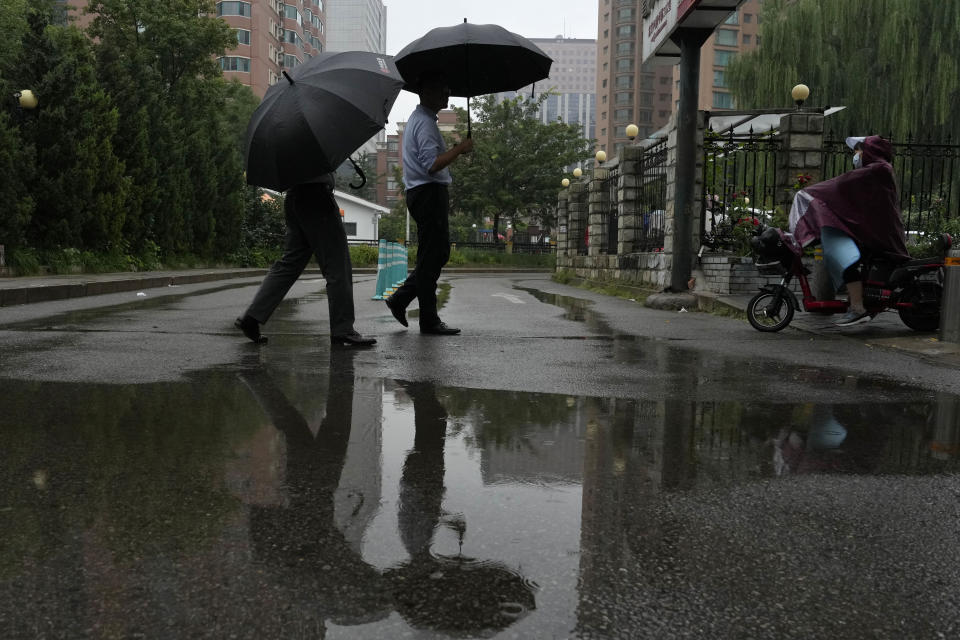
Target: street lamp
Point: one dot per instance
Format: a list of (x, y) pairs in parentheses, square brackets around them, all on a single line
[(601, 156), (632, 131), (800, 93), (26, 99), (577, 172), (565, 182)]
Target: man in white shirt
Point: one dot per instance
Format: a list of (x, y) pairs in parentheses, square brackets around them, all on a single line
[(426, 179)]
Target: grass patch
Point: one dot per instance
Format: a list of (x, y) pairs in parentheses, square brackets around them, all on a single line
[(638, 294)]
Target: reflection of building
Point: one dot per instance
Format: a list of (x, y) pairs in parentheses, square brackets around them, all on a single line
[(572, 80), (544, 454)]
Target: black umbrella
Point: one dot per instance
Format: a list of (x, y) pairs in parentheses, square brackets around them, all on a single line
[(474, 59), (311, 121)]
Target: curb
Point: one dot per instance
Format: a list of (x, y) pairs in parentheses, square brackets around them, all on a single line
[(120, 283)]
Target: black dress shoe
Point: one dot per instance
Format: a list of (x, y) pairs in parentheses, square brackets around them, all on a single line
[(440, 329), (398, 312), (352, 339), (251, 329)]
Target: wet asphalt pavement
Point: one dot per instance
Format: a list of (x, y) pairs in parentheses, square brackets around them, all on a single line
[(572, 466)]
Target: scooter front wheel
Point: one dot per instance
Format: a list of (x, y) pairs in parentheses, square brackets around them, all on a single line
[(769, 311)]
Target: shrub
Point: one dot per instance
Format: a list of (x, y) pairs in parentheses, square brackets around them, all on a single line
[(363, 255)]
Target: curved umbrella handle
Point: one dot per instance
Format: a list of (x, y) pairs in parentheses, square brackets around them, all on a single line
[(363, 177)]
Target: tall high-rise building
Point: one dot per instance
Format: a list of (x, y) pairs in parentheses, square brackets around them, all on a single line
[(271, 36), (572, 83), (738, 33), (628, 92), (356, 25)]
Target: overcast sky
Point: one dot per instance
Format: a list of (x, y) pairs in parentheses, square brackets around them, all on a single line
[(407, 20)]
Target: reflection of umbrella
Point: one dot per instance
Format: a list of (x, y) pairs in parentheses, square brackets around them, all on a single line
[(474, 59), (459, 596), (311, 121)]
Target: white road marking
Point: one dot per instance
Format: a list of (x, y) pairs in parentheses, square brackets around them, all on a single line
[(508, 296)]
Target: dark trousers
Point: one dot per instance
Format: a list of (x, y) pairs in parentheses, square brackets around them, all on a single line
[(429, 204), (314, 227)]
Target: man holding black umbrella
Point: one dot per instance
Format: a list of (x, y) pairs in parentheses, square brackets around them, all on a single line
[(426, 179)]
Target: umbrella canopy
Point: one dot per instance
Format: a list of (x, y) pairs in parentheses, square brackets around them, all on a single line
[(311, 121), (475, 59)]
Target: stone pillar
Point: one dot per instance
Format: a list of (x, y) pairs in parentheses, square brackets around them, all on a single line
[(576, 217), (801, 153), (598, 211), (562, 222), (628, 199), (801, 137)]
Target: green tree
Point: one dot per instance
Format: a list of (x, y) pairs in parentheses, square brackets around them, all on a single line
[(78, 183), (517, 161), (895, 64)]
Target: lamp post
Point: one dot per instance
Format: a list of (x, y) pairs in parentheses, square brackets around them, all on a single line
[(476, 237), (565, 182), (632, 130), (601, 156), (577, 172), (800, 93), (26, 99)]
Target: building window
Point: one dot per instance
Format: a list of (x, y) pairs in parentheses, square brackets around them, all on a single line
[(664, 79), (235, 63), (350, 228), (233, 9), (731, 19), (626, 48), (290, 61), (719, 79), (746, 38), (623, 115), (727, 37), (604, 85), (723, 58), (624, 97), (603, 131), (624, 82), (722, 100), (757, 41), (625, 31), (290, 13), (243, 36), (606, 33), (664, 97), (293, 37), (625, 65), (603, 99), (747, 18), (625, 14)]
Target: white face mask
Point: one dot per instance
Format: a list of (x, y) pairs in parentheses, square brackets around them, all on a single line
[(857, 162)]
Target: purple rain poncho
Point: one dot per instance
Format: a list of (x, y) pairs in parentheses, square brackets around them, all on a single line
[(861, 203)]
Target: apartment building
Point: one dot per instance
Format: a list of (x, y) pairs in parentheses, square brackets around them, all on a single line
[(271, 36), (628, 92), (356, 25)]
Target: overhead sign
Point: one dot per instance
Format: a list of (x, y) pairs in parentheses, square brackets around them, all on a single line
[(661, 18)]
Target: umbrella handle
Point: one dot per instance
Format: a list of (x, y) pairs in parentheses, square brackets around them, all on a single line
[(469, 134), (363, 177)]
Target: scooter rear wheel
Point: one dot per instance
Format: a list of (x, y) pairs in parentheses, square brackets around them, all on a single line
[(765, 313), (924, 315)]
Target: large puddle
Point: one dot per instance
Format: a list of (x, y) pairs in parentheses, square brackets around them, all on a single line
[(259, 503)]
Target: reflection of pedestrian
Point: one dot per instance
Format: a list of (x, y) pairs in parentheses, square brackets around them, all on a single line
[(426, 178), (457, 596), (314, 227), (300, 541)]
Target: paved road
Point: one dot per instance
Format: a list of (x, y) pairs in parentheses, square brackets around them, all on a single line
[(571, 466)]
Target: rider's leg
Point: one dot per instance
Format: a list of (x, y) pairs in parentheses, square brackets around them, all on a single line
[(854, 281)]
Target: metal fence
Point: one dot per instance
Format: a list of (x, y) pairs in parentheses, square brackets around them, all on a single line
[(739, 185), (650, 221), (927, 179)]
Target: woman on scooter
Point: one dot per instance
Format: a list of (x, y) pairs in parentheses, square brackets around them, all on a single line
[(857, 210)]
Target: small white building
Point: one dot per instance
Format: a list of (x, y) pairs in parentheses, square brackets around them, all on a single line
[(360, 217)]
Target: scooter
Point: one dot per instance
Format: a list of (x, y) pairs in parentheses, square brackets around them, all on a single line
[(914, 288)]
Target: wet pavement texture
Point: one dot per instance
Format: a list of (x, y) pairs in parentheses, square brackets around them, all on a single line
[(293, 491)]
